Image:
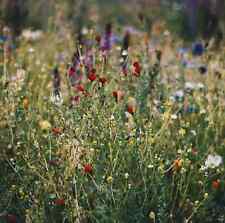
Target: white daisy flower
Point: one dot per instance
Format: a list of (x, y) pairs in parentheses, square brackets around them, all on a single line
[(213, 161), (174, 116), (189, 86)]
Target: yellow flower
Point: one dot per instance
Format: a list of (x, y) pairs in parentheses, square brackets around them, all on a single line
[(152, 215), (182, 132), (152, 140), (44, 125), (168, 103), (109, 179)]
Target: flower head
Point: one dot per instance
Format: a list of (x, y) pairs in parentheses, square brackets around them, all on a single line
[(177, 164), (25, 103), (213, 161), (59, 202), (198, 49), (71, 71), (56, 131), (216, 184), (136, 69), (131, 105), (88, 168), (44, 125), (92, 75), (109, 179), (79, 88)]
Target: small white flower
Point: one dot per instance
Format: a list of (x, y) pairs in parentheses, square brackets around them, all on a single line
[(174, 116), (31, 50), (156, 102), (200, 86), (57, 99), (202, 111), (213, 161), (206, 195), (126, 175), (124, 53), (193, 132), (166, 33), (196, 202), (150, 166), (84, 31), (183, 170), (32, 35), (179, 94), (189, 86), (121, 60)]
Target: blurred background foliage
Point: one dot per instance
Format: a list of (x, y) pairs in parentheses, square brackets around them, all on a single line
[(187, 18)]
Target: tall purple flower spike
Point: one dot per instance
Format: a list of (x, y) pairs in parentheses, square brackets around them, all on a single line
[(88, 59), (106, 43)]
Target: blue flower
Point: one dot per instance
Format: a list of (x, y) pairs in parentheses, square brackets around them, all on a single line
[(3, 39), (198, 49)]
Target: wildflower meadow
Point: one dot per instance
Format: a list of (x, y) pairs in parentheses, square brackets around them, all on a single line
[(111, 123)]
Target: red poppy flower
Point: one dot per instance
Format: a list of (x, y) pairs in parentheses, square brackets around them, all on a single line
[(216, 184), (56, 131), (177, 164), (131, 109), (11, 218), (88, 168), (79, 87), (59, 202), (71, 71), (136, 69), (92, 75)]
